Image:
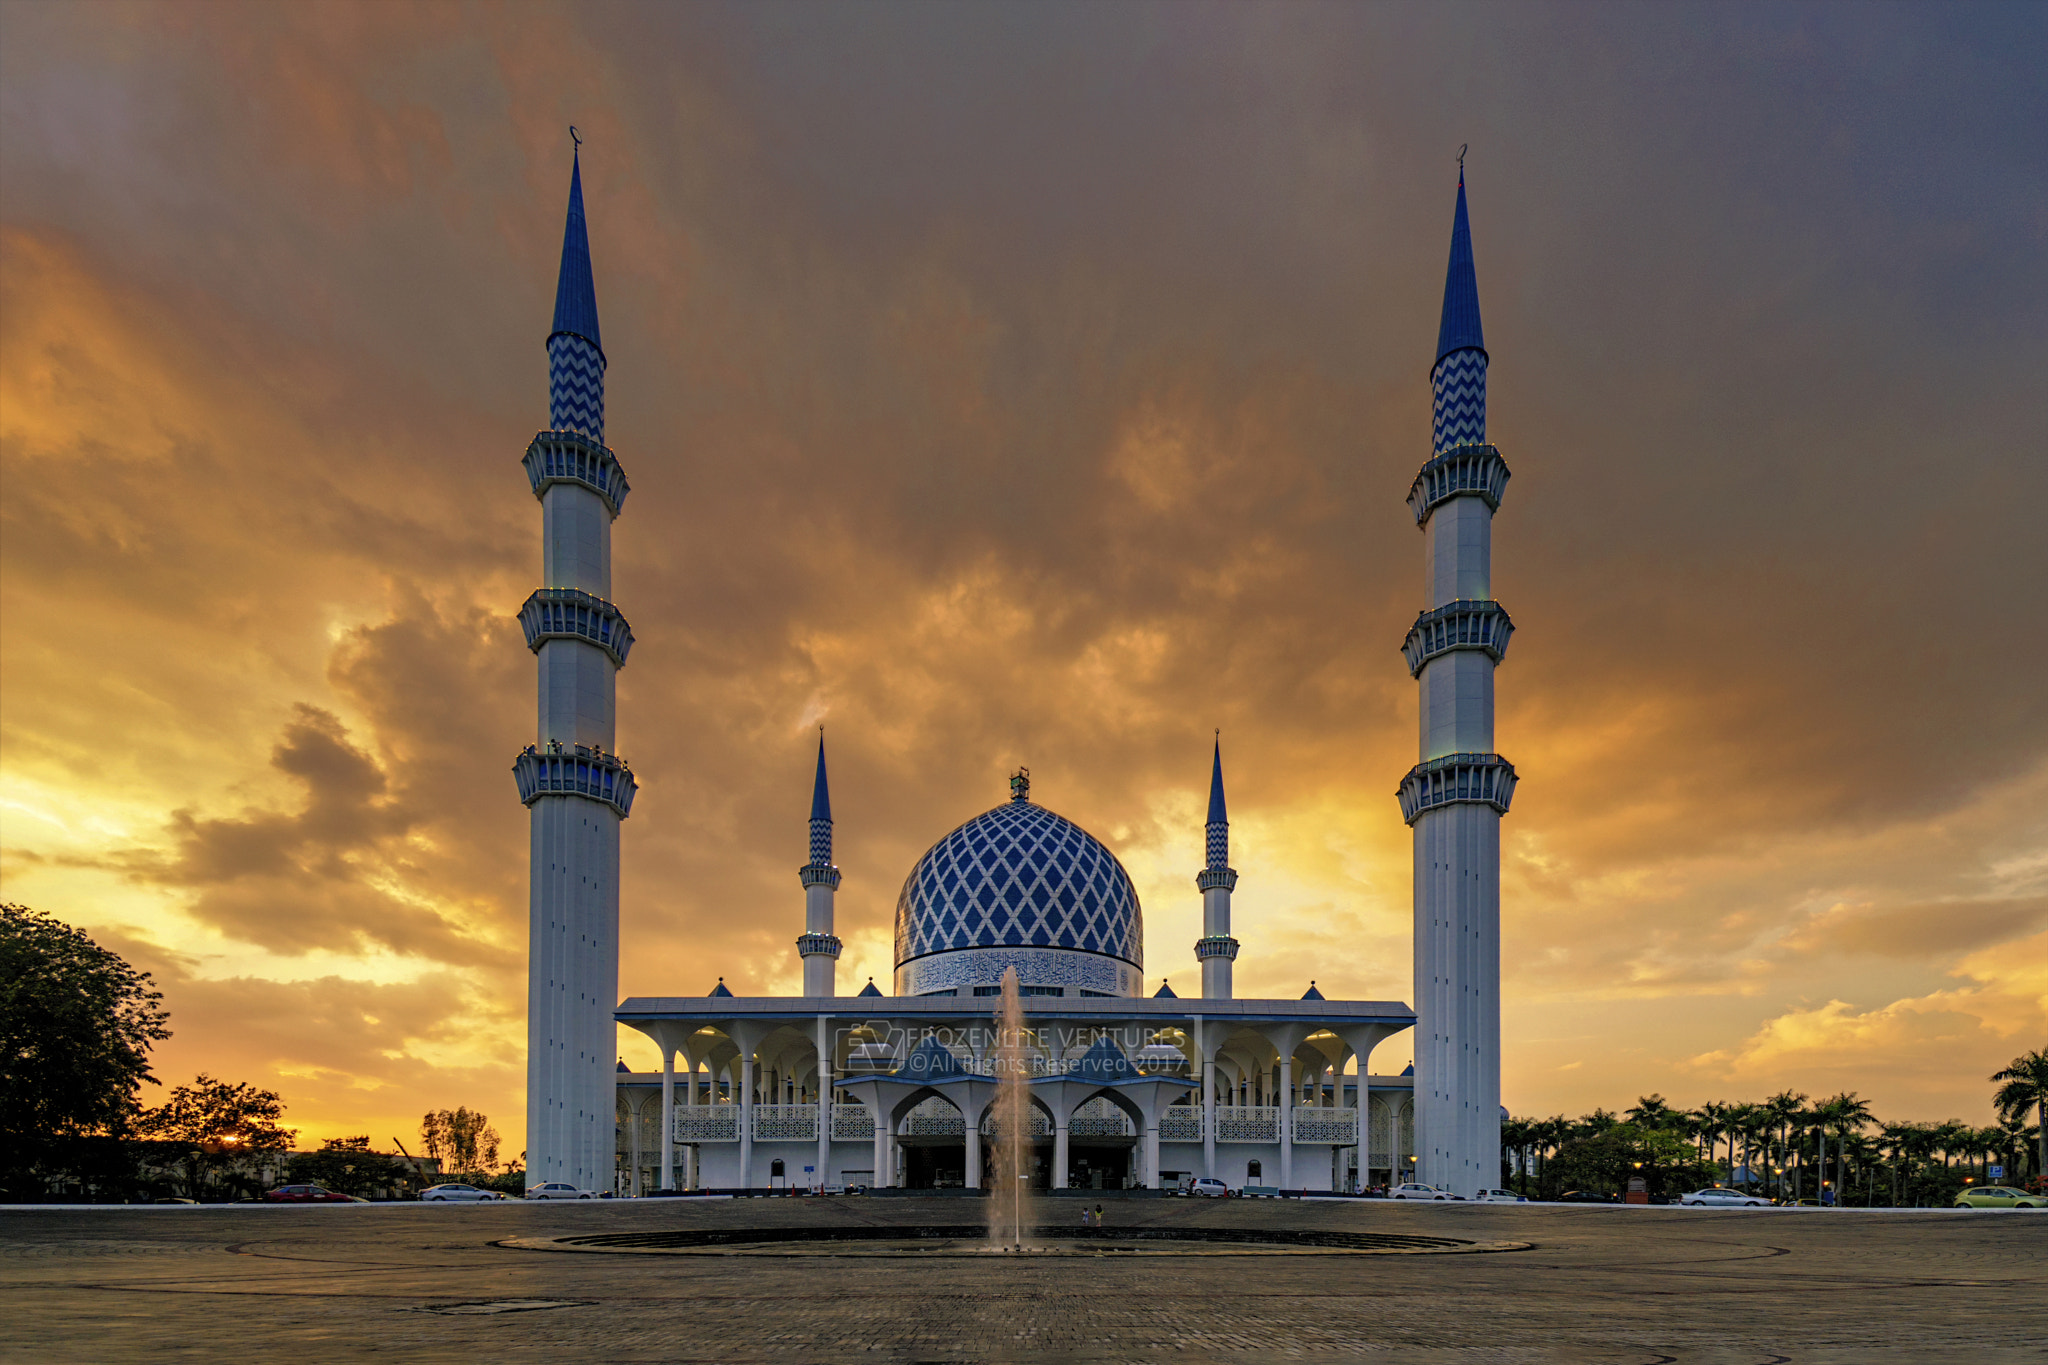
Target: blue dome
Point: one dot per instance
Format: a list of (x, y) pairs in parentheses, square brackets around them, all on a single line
[(1019, 876)]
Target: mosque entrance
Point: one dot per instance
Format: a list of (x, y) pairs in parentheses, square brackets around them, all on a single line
[(934, 1165), (1100, 1166)]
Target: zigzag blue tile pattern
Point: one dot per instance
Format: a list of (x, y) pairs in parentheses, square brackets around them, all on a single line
[(1219, 844), (821, 843), (1458, 388), (575, 386), (1019, 876)]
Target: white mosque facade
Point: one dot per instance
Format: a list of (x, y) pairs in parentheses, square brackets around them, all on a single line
[(897, 1089)]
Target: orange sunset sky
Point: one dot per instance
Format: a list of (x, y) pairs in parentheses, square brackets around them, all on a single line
[(1037, 384)]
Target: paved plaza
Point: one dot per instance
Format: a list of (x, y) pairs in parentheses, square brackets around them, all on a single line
[(1599, 1284)]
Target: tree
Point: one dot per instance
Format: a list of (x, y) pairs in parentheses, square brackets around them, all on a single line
[(1783, 1107), (212, 1125), (2026, 1086), (1846, 1114), (462, 1139), (77, 1023), (348, 1166)]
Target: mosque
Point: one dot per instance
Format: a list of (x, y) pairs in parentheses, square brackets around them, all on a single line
[(897, 1088)]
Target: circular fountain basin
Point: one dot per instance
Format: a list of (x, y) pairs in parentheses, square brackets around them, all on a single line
[(972, 1240)]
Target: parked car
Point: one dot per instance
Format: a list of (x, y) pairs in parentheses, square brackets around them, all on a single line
[(447, 1194), (2000, 1197), (1205, 1187), (1413, 1191), (1500, 1197), (309, 1194), (555, 1189), (1723, 1198), (1583, 1197)]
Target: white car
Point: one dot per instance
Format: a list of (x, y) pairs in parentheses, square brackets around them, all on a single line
[(1422, 1192), (1499, 1197), (1720, 1198), (448, 1194), (1206, 1187), (555, 1189)]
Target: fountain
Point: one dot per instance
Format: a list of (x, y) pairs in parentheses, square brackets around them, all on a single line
[(1009, 1202)]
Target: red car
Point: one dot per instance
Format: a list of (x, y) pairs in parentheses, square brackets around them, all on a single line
[(309, 1194)]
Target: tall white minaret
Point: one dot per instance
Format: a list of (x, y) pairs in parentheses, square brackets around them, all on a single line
[(577, 789), (818, 947), (1454, 798), (1216, 950)]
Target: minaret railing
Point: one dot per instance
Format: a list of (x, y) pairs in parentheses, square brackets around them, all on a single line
[(572, 614), (1488, 779), (1457, 625), (575, 770), (1456, 472), (571, 457)]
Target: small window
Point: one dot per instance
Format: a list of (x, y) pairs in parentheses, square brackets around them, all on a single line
[(1099, 995), (988, 990), (1043, 990), (775, 1169)]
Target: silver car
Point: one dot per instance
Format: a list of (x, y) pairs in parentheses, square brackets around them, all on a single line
[(449, 1194), (1414, 1191), (555, 1189), (1499, 1197), (1718, 1197)]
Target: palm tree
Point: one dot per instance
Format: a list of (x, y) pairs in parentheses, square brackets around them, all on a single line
[(1712, 1120), (1783, 1107), (1649, 1111), (2026, 1086), (1846, 1114)]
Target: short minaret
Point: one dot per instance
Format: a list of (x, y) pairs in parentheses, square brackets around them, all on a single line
[(576, 787), (1216, 950), (818, 947), (1454, 798)]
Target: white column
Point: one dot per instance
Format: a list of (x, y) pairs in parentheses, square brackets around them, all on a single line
[(1364, 1128), (972, 1126), (668, 1118), (1209, 1118), (824, 1100), (1286, 1098), (1150, 1178), (746, 1120), (881, 1157), (1060, 1134)]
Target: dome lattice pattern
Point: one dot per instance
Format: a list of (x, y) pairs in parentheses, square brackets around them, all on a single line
[(1019, 876)]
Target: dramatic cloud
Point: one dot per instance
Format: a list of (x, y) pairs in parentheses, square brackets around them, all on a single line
[(1037, 385)]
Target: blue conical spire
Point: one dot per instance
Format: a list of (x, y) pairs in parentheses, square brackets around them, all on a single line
[(821, 796), (1217, 842), (821, 816), (1460, 329), (1217, 814), (575, 291)]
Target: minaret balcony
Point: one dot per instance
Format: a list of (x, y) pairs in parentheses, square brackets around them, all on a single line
[(818, 945), (1487, 779), (819, 874), (575, 770), (571, 457), (1216, 945), (1210, 878), (572, 614), (1457, 625), (1459, 471)]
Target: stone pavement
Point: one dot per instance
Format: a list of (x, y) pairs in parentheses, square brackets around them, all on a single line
[(1600, 1284)]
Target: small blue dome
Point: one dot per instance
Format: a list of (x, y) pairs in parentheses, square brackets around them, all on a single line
[(1019, 876)]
